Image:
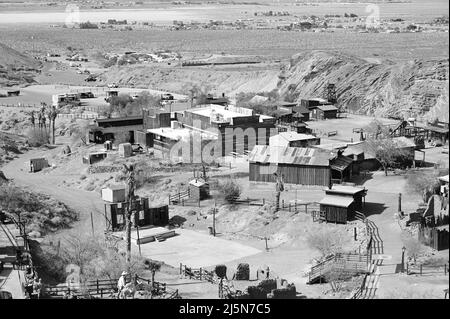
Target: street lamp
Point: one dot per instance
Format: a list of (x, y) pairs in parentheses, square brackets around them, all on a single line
[(403, 258)]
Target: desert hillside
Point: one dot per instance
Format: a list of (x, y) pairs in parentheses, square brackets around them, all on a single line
[(16, 68), (370, 86)]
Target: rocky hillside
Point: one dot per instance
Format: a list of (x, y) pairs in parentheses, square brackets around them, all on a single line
[(16, 68), (370, 87)]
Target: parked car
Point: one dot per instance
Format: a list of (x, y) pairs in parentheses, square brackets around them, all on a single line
[(90, 79)]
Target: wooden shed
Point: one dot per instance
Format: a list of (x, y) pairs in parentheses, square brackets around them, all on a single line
[(36, 164), (198, 189), (125, 150), (94, 157), (144, 216), (323, 112), (337, 209), (357, 193), (114, 194), (434, 237)]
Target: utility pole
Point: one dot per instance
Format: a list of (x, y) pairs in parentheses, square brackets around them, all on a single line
[(92, 225), (214, 220), (129, 207)]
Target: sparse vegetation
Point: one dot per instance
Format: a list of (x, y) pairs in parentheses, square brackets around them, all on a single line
[(40, 213), (230, 190), (326, 241)]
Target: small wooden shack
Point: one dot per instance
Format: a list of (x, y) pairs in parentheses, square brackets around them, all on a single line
[(13, 93), (198, 189), (94, 157), (337, 209), (125, 150), (36, 164), (144, 216), (357, 193), (114, 194)]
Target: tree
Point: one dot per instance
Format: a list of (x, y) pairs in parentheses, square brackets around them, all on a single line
[(425, 183), (230, 190), (153, 266), (387, 151)]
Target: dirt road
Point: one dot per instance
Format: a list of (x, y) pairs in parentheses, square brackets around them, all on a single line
[(82, 201)]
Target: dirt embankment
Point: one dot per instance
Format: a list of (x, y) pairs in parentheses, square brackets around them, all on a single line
[(180, 79)]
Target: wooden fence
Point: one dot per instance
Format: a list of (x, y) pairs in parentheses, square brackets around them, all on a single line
[(197, 273), (179, 198), (106, 288), (20, 105), (78, 116), (422, 269)]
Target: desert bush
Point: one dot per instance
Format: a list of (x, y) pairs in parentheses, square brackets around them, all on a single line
[(414, 247), (37, 137), (230, 190), (40, 213), (221, 271), (326, 241), (268, 285)]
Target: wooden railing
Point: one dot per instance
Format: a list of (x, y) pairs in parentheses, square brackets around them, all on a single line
[(178, 198), (197, 273), (422, 269)]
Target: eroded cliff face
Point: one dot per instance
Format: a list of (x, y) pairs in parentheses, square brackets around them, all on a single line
[(370, 86)]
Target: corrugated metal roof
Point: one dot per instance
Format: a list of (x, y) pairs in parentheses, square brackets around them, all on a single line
[(290, 155), (341, 163), (339, 201)]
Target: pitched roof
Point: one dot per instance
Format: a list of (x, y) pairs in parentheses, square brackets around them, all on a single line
[(339, 201), (290, 155), (341, 163), (345, 189), (294, 136), (327, 107)]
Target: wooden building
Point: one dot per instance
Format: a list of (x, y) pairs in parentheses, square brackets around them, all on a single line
[(293, 139), (357, 193), (198, 189), (112, 129), (190, 143), (36, 164), (434, 223), (94, 157), (304, 166), (337, 209), (323, 112), (240, 129), (144, 216)]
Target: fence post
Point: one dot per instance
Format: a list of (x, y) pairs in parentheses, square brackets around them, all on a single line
[(200, 273), (445, 269), (97, 285), (421, 269), (181, 268), (282, 204)]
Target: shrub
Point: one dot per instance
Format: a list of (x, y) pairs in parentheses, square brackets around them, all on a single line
[(37, 137), (230, 190), (221, 271)]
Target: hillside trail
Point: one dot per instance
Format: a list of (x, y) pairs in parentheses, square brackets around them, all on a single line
[(83, 202)]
